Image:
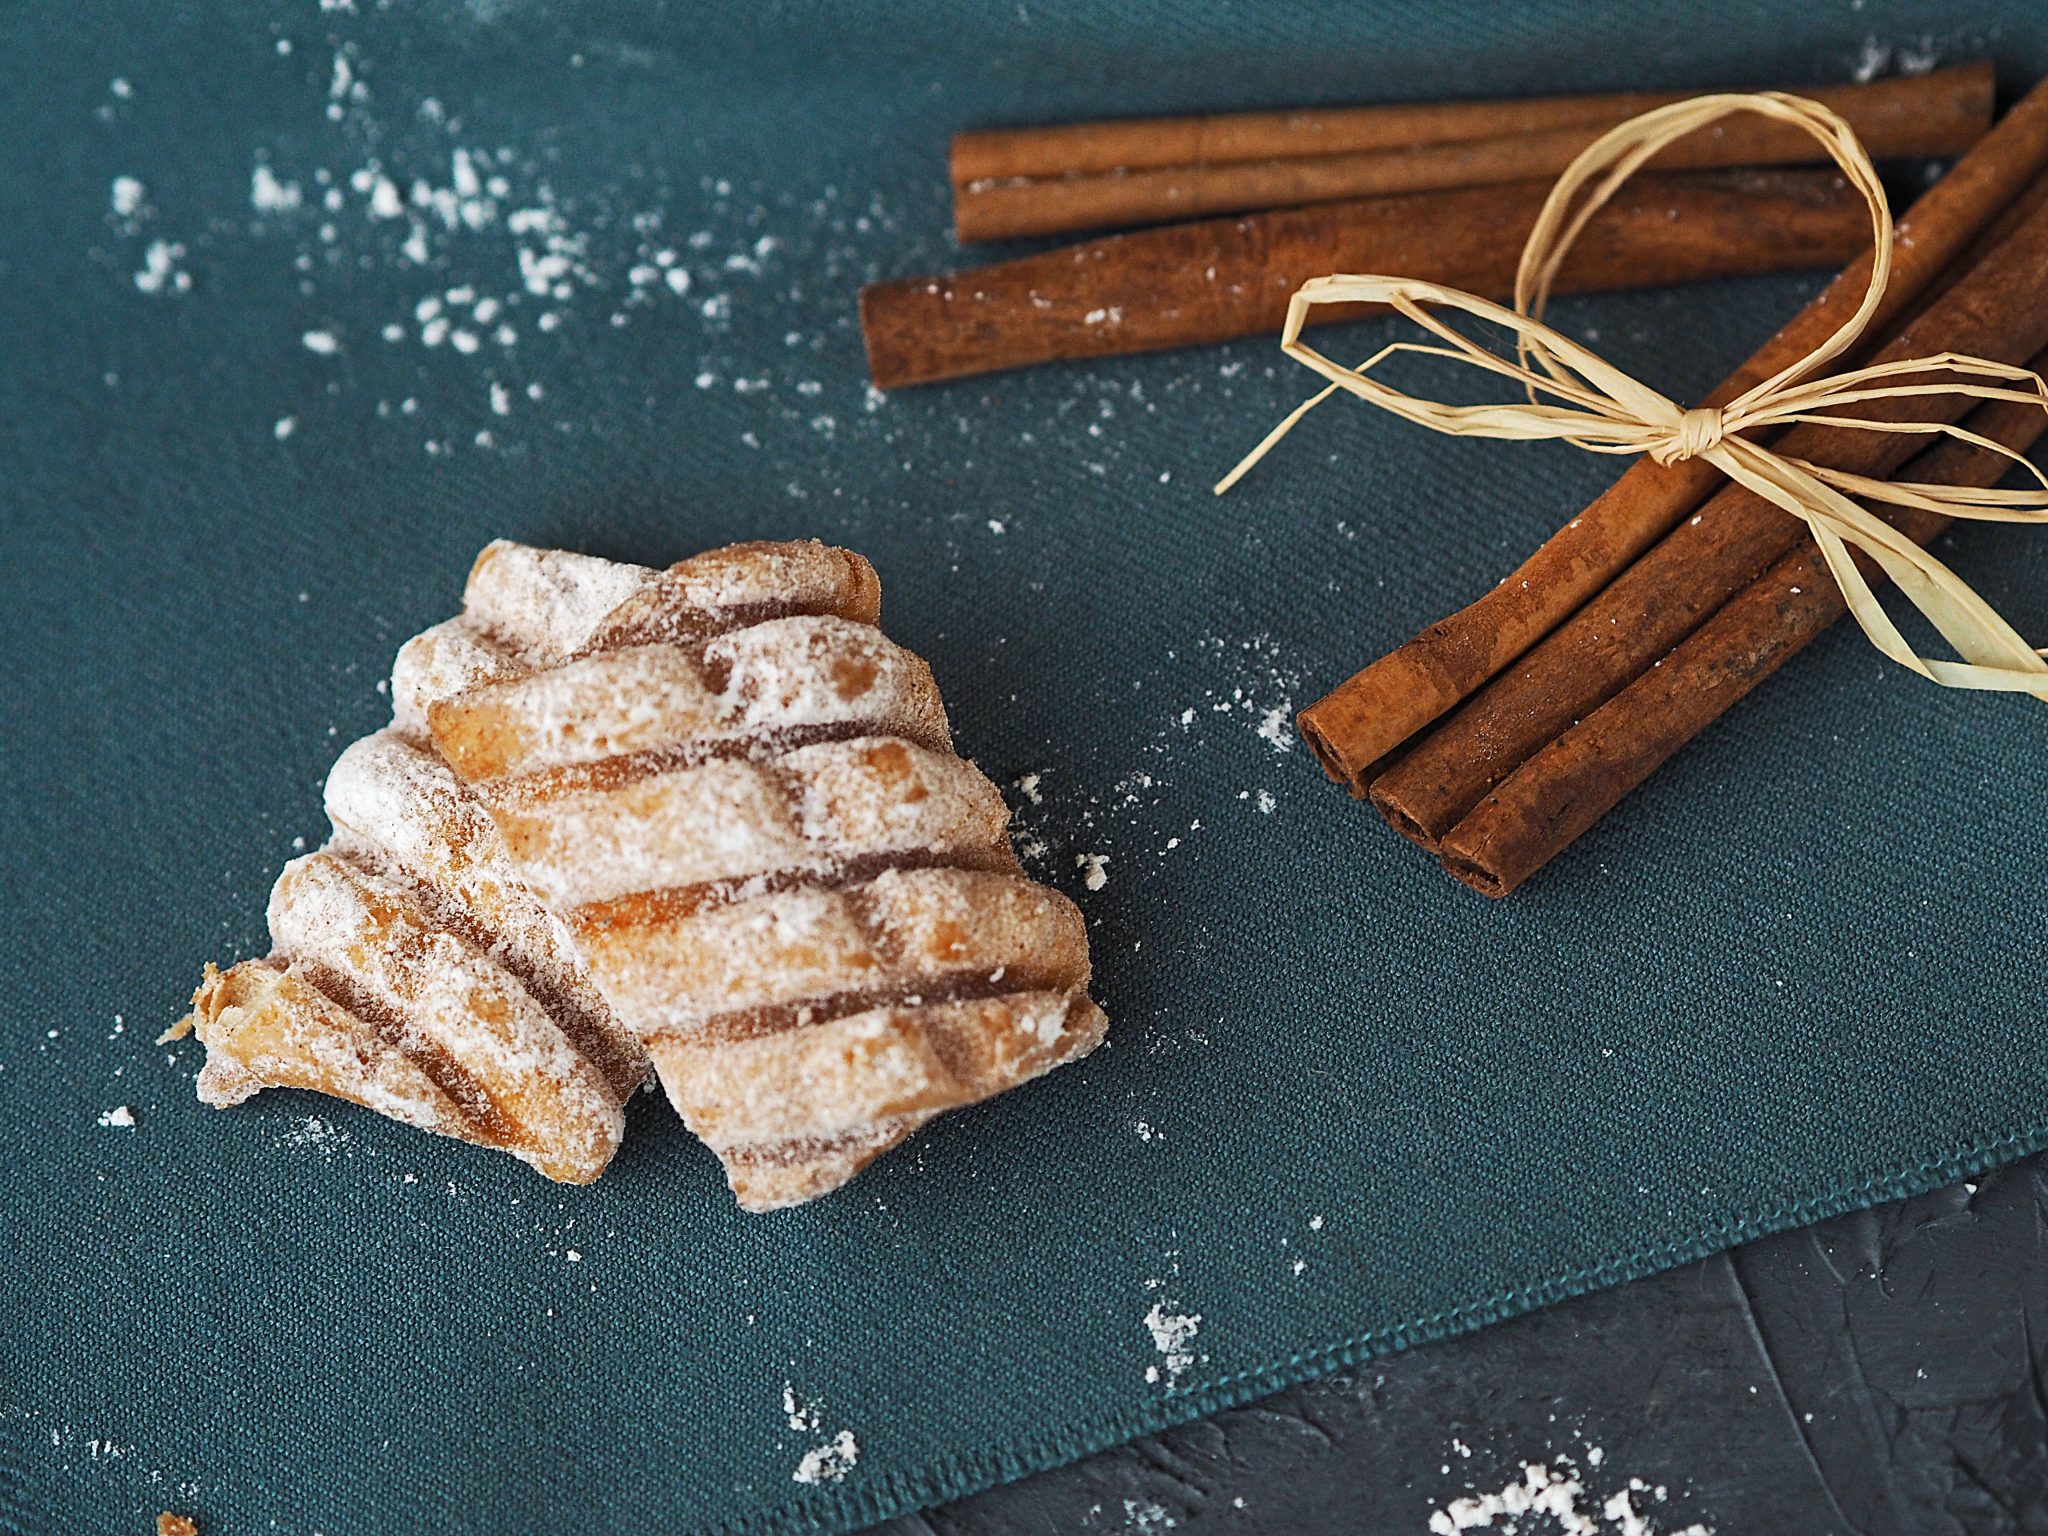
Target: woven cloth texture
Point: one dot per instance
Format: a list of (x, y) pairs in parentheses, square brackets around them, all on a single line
[(1345, 1104)]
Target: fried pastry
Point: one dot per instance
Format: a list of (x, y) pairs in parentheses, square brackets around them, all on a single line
[(741, 800), (413, 972)]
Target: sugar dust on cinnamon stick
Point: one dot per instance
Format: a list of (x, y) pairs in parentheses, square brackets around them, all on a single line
[(1223, 278), (1062, 180)]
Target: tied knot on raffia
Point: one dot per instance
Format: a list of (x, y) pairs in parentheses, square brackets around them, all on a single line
[(1699, 430), (1575, 395)]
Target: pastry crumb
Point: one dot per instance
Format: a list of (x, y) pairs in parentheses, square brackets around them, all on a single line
[(168, 1524)]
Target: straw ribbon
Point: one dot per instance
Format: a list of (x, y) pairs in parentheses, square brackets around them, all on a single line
[(1576, 396), (1699, 429)]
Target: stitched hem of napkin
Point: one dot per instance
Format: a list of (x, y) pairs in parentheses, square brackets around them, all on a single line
[(887, 1495)]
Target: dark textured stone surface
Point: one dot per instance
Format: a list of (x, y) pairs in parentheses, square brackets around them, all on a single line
[(1880, 1373)]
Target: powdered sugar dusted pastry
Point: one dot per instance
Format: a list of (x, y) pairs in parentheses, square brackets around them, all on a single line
[(742, 801), (413, 972)]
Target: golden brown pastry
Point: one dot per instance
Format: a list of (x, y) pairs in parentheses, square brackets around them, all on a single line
[(742, 801), (412, 970)]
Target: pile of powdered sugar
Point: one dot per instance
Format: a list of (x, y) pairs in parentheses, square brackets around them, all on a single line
[(830, 1462), (1546, 1498)]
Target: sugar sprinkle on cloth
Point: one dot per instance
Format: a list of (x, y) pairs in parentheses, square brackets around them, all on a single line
[(1607, 411)]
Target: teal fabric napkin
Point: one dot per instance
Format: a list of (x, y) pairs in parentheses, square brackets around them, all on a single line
[(300, 307)]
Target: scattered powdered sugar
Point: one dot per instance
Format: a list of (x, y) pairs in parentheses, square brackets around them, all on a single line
[(1873, 58), (473, 256), (1276, 726), (269, 195), (120, 1117), (1539, 1491), (161, 272), (83, 1450), (1262, 689), (1243, 684), (314, 1132), (1142, 1516), (800, 1414), (1172, 1335), (131, 213), (830, 1462), (1547, 1498)]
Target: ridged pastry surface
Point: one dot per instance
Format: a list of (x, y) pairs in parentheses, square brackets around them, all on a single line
[(741, 800), (412, 970)]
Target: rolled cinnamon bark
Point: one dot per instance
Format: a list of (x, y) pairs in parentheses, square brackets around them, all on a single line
[(1570, 784), (1221, 278), (1999, 310), (1145, 143), (1357, 725), (1223, 170)]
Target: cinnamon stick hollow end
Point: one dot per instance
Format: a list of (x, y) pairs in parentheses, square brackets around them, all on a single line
[(1326, 751), (1355, 730)]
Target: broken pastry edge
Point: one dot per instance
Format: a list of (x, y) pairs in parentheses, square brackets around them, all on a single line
[(237, 1013), (234, 1010), (372, 944)]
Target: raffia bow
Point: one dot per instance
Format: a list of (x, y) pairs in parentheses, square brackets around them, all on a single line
[(1604, 410)]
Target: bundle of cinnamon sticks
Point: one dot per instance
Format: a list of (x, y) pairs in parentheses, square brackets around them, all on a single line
[(1447, 191), (1498, 736)]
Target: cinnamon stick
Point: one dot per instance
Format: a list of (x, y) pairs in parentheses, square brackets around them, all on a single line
[(1069, 149), (1570, 784), (1356, 726), (1221, 278), (1999, 309), (1226, 172)]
